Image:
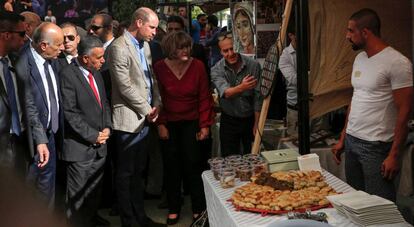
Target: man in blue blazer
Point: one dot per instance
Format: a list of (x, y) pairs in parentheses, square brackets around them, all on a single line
[(37, 68)]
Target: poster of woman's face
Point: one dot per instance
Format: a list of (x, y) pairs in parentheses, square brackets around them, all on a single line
[(244, 31)]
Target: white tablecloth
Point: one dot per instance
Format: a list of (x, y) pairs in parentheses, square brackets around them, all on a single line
[(221, 213)]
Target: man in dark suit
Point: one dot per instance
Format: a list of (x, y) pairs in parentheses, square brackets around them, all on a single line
[(101, 27), (13, 123), (87, 127), (37, 68), (71, 41)]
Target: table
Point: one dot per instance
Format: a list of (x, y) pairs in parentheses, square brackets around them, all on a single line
[(222, 213)]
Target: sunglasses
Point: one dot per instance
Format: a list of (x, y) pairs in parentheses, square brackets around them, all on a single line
[(20, 33), (70, 37), (224, 36), (96, 27)]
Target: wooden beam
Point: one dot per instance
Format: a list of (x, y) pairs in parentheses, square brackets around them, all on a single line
[(266, 101)]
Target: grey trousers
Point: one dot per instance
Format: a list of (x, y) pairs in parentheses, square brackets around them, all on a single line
[(83, 190), (363, 166)]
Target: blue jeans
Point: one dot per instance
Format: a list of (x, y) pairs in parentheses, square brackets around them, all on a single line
[(363, 161), (131, 161)]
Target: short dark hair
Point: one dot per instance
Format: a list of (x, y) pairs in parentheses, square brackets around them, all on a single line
[(9, 20), (174, 41), (369, 19), (200, 16), (88, 43), (106, 19), (176, 19), (69, 24), (212, 19)]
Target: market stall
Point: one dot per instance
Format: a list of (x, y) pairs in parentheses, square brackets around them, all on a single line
[(221, 210)]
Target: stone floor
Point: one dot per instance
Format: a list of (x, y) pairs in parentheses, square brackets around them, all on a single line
[(158, 215)]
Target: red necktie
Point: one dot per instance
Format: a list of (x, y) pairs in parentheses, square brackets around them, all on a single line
[(92, 84)]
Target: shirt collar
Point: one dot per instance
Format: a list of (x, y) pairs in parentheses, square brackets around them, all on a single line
[(37, 57), (133, 39), (107, 43), (84, 71), (69, 57), (290, 49)]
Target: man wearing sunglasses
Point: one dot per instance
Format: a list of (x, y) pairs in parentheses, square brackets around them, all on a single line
[(101, 27), (36, 66), (236, 77), (71, 41), (13, 122)]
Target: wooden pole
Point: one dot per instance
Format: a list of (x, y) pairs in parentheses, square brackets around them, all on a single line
[(266, 101)]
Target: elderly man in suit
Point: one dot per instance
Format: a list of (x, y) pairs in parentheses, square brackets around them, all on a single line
[(135, 104), (13, 122), (36, 66), (87, 127)]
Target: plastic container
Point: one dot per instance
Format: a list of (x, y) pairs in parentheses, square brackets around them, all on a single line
[(216, 169), (245, 172), (233, 157), (259, 167), (227, 178)]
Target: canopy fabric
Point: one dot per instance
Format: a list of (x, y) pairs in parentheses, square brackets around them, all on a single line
[(331, 56)]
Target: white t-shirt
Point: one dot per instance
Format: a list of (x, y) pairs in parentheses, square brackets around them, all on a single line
[(373, 113)]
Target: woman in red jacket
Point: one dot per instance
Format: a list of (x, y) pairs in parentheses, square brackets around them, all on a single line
[(185, 119)]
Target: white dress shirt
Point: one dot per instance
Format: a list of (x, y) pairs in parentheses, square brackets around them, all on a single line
[(287, 65), (39, 63)]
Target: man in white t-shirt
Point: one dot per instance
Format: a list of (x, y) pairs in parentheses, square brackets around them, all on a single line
[(376, 126)]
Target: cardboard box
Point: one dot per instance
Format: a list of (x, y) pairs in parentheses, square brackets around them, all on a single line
[(281, 160)]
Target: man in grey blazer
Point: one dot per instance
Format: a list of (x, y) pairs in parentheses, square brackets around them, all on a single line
[(135, 103)]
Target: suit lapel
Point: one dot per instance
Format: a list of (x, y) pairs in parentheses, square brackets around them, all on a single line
[(133, 52), (85, 84), (34, 72), (3, 93)]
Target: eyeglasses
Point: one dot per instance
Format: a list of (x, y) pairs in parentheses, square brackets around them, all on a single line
[(95, 27), (70, 37), (224, 36), (20, 33)]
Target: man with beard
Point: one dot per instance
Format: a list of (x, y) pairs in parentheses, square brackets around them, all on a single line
[(376, 126)]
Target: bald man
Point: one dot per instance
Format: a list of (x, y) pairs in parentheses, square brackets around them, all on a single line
[(135, 102), (31, 21), (38, 68)]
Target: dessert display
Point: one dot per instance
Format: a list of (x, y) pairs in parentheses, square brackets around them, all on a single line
[(281, 192)]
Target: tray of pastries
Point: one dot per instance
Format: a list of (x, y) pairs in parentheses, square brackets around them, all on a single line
[(281, 192)]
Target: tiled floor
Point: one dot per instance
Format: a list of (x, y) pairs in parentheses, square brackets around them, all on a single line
[(158, 215)]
